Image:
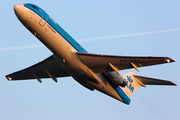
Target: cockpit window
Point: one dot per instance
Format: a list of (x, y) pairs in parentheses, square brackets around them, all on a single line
[(34, 7)]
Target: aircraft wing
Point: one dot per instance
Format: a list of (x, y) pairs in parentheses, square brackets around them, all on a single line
[(100, 63), (45, 69)]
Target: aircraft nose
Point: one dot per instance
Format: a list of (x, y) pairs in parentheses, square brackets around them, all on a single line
[(18, 9)]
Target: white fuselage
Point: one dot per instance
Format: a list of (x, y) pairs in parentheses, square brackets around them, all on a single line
[(64, 53)]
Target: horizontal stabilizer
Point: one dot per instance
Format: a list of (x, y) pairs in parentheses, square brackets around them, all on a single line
[(153, 81), (135, 81)]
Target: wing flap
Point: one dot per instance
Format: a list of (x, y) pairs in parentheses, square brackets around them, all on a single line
[(40, 70), (99, 63)]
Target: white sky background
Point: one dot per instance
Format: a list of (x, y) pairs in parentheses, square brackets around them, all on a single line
[(138, 21)]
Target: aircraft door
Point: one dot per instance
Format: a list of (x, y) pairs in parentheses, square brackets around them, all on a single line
[(42, 22)]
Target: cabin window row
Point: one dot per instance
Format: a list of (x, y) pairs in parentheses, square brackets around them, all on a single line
[(68, 37)]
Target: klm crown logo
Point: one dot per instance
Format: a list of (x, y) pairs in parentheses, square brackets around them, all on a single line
[(129, 79), (131, 88)]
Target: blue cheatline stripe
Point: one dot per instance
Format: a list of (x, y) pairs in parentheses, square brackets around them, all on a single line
[(120, 92), (56, 27)]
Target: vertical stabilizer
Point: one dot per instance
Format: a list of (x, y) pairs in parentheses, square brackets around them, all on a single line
[(132, 84)]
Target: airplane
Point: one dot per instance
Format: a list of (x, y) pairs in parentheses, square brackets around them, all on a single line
[(93, 71)]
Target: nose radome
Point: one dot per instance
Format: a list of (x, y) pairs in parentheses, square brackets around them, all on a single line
[(18, 9)]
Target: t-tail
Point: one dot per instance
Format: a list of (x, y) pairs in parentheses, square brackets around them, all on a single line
[(135, 81)]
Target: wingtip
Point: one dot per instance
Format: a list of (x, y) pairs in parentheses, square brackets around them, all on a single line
[(8, 78), (173, 83), (170, 60)]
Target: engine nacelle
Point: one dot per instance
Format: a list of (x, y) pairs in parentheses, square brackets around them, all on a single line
[(117, 79)]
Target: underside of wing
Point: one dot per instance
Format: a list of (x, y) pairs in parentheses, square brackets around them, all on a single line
[(48, 68), (100, 63)]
